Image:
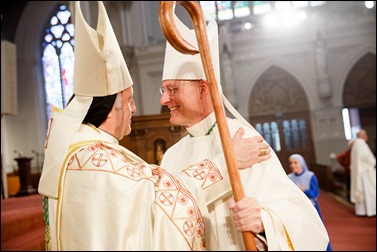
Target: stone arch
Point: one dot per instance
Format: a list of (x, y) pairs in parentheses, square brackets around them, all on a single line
[(342, 70), (276, 90), (279, 110), (359, 94), (296, 71), (360, 85)]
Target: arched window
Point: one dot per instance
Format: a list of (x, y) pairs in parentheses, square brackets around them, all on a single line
[(58, 59), (227, 10)]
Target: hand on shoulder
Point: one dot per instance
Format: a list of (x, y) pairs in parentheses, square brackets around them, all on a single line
[(249, 151)]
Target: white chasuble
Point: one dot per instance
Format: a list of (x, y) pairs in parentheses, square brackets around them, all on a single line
[(363, 178), (289, 218), (110, 199)]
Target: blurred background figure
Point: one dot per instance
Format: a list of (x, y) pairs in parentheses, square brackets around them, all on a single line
[(306, 180), (363, 176), (344, 159)]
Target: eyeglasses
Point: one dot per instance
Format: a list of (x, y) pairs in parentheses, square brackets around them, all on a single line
[(172, 90), (168, 90)]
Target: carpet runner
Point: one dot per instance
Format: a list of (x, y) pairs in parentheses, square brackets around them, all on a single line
[(22, 225)]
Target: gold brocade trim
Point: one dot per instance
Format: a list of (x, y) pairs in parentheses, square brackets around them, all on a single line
[(92, 127), (72, 149), (288, 240), (56, 109), (46, 220)]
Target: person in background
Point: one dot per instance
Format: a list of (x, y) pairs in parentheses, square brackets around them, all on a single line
[(344, 159), (274, 209), (306, 180), (363, 176)]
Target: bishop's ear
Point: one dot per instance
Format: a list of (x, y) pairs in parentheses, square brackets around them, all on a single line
[(203, 87)]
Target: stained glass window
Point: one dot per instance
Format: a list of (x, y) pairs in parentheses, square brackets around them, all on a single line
[(224, 10), (58, 59), (209, 9), (241, 9), (258, 127), (287, 134), (302, 129), (267, 132), (275, 136), (293, 134)]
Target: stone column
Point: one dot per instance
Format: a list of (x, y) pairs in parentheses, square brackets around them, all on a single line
[(323, 80)]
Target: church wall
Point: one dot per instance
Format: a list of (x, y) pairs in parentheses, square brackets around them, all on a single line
[(150, 65)]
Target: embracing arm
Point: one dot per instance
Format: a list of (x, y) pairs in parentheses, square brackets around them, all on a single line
[(247, 150)]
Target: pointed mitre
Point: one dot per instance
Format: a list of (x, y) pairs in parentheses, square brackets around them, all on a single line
[(100, 68), (190, 67)]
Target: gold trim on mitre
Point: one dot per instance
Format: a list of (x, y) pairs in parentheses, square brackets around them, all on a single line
[(100, 68), (62, 127), (186, 66)]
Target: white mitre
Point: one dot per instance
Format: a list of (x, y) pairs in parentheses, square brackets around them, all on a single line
[(190, 67), (99, 70)]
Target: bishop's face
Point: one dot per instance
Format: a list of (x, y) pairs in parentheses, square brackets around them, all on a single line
[(185, 100)]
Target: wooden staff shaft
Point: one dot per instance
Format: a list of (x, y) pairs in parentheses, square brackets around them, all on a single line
[(168, 26)]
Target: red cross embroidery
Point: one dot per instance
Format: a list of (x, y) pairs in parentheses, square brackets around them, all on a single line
[(199, 174), (203, 244), (212, 176), (168, 184), (188, 228), (183, 199), (155, 172), (99, 160), (166, 199), (141, 167), (191, 211), (199, 232), (133, 171), (99, 145)]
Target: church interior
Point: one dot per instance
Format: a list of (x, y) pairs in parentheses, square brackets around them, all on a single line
[(302, 73)]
